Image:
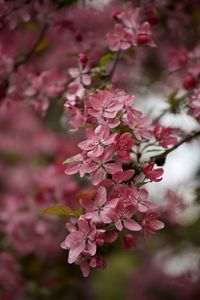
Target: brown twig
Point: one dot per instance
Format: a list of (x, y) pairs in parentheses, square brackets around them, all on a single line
[(21, 60), (160, 159), (114, 65)]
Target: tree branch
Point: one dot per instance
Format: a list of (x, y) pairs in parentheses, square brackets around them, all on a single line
[(25, 57), (160, 159), (114, 65)]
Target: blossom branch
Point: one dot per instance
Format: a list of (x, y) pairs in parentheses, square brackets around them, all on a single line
[(160, 159), (115, 64), (25, 57)]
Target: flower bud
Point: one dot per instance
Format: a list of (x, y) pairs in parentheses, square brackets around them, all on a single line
[(189, 82), (83, 58)]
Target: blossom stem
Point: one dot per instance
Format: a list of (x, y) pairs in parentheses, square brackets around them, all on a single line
[(114, 65), (24, 58)]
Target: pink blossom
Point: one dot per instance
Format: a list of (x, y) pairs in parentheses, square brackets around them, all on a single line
[(41, 105), (86, 262), (141, 197), (100, 210), (97, 140), (122, 144), (49, 83), (83, 58), (144, 35), (139, 124), (81, 240), (150, 223), (121, 39), (130, 19), (109, 236), (76, 88), (116, 183), (100, 166), (75, 116), (163, 136), (18, 15), (194, 104), (124, 212), (129, 241), (106, 105), (75, 91), (74, 165), (141, 34), (151, 173), (119, 177), (189, 81), (80, 74)]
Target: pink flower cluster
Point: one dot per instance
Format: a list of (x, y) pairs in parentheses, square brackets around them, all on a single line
[(103, 217), (44, 87), (129, 31), (115, 130), (81, 79)]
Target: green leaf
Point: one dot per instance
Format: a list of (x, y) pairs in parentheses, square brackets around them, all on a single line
[(42, 45), (172, 100), (32, 26), (70, 160), (61, 210), (10, 157), (105, 59)]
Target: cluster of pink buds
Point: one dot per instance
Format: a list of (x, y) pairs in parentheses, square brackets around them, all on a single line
[(112, 159)]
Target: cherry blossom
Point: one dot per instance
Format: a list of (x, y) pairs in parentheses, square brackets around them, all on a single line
[(74, 166), (105, 105), (86, 262), (123, 216), (97, 140), (100, 210), (119, 40), (117, 182), (80, 74), (194, 104), (139, 124), (99, 167), (164, 136), (81, 239), (150, 223), (144, 35), (151, 173), (122, 144), (141, 195), (189, 82)]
